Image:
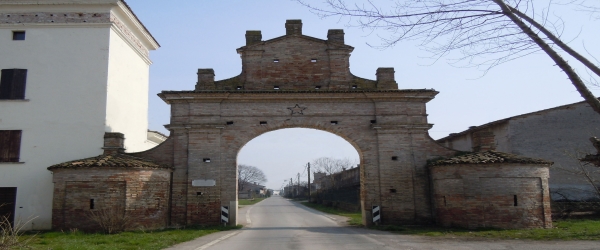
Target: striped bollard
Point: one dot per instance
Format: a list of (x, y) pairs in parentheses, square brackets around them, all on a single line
[(224, 214), (376, 215)]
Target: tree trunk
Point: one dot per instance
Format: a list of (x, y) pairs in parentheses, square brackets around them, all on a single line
[(557, 41), (560, 62)]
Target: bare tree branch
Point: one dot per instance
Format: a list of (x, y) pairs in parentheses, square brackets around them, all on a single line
[(249, 174), (486, 32), (330, 167)]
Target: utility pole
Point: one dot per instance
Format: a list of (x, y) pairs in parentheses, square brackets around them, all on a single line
[(308, 182), (298, 190), (291, 188)]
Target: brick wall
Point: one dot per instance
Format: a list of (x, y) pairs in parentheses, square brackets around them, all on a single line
[(387, 126), (144, 194), (200, 120), (296, 62), (492, 195), (558, 135)]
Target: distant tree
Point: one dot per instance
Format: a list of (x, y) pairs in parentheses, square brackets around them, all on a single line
[(331, 166), (249, 174), (486, 32)]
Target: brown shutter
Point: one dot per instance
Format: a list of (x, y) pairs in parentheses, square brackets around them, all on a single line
[(19, 80), (12, 84), (15, 146), (8, 199), (6, 80), (10, 145)]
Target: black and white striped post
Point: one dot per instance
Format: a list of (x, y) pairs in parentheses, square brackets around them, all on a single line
[(224, 214), (376, 212)]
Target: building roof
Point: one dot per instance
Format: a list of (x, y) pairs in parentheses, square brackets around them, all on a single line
[(140, 22), (489, 124), (110, 161), (88, 2), (488, 157), (593, 159)]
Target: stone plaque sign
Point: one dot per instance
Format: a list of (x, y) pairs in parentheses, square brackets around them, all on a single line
[(204, 183)]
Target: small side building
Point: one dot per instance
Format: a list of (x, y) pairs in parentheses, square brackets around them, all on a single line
[(113, 182), (559, 134), (491, 189)]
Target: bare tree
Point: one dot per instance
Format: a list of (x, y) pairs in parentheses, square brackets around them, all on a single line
[(249, 174), (331, 166), (485, 32)]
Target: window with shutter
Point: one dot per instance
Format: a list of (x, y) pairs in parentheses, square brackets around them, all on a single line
[(10, 145), (12, 83), (8, 200)]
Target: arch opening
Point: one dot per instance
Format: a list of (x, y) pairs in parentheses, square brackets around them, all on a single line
[(283, 155)]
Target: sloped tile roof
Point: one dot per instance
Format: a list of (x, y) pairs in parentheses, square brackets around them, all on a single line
[(110, 161), (489, 124), (594, 159), (488, 157)]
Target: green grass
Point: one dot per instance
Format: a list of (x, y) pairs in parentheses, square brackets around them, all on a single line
[(127, 240), (355, 217), (563, 230), (571, 229), (249, 201)]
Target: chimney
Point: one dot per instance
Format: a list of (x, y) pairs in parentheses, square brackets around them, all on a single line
[(253, 37), (113, 143), (206, 79), (293, 27), (385, 79), (336, 36), (483, 140)]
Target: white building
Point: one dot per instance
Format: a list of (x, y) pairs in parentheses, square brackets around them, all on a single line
[(71, 70)]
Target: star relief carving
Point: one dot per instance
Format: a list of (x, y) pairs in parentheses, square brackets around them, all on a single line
[(297, 109)]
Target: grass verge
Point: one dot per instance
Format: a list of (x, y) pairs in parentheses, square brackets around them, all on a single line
[(249, 201), (355, 217), (572, 229), (158, 239)]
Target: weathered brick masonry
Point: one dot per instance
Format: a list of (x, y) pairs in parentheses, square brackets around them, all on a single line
[(299, 81), (113, 180), (491, 189)]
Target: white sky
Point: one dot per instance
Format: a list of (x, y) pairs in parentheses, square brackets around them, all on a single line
[(205, 34)]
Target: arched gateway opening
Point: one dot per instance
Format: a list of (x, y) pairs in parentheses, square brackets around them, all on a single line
[(297, 81), (282, 155)]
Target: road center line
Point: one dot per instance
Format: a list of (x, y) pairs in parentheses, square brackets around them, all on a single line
[(217, 241)]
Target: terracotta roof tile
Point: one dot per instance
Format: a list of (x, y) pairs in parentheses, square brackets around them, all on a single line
[(488, 157), (109, 161)]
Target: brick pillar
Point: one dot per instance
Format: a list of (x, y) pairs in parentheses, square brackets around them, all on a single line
[(339, 68), (483, 140), (293, 27), (113, 143), (253, 37), (206, 79), (252, 69), (335, 35), (385, 79)]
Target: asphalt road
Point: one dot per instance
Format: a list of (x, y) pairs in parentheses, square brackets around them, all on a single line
[(279, 224)]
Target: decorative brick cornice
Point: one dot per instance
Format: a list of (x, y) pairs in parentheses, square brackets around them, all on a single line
[(62, 18), (128, 35), (424, 95), (54, 18)]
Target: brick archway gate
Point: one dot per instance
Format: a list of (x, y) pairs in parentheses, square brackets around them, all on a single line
[(387, 128), (298, 81)]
